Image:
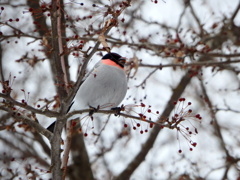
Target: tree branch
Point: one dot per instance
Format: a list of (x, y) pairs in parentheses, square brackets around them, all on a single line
[(137, 160), (13, 102), (184, 65), (30, 122), (61, 91)]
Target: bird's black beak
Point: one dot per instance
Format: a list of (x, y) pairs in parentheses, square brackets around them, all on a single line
[(122, 61)]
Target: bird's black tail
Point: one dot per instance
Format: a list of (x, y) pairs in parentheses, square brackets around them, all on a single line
[(52, 126)]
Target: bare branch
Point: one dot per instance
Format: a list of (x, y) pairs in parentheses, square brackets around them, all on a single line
[(184, 65), (177, 92), (30, 122), (48, 113)]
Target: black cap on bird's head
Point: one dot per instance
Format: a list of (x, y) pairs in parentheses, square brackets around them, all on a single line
[(116, 58)]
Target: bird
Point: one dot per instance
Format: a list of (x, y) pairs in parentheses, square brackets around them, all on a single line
[(104, 87)]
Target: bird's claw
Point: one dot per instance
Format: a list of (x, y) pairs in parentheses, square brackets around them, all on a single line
[(93, 110), (118, 110)]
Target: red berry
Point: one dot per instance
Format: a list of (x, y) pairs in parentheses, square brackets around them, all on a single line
[(194, 144), (167, 53), (198, 116), (182, 99), (74, 123), (143, 105), (214, 25), (43, 6)]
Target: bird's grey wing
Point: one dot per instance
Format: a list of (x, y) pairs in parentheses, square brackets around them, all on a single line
[(51, 127), (90, 72)]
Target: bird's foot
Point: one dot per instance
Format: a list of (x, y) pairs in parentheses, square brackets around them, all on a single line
[(93, 110), (118, 110)]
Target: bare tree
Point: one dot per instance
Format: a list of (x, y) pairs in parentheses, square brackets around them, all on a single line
[(180, 118)]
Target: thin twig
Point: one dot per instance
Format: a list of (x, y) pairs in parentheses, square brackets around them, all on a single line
[(184, 65), (235, 13), (47, 113), (30, 122), (137, 160)]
